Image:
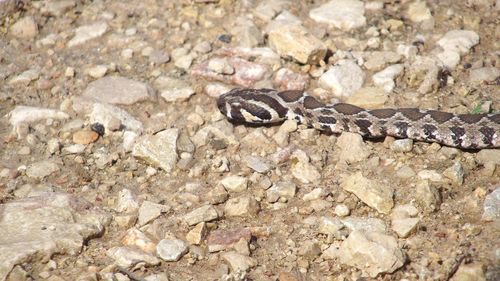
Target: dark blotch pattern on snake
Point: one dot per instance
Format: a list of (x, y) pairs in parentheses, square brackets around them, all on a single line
[(265, 106)]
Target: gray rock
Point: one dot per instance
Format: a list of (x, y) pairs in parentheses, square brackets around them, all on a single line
[(88, 32), (246, 33), (371, 192), (305, 172), (257, 163), (241, 207), (427, 197), (485, 156), (404, 227), (380, 59), (202, 214), (484, 74), (295, 41), (385, 78), (239, 262), (42, 169), (128, 257), (118, 90), (330, 226), (171, 250), (44, 225), (282, 189), (491, 208), (159, 149), (126, 202), (372, 252), (150, 211), (343, 79), (455, 173), (343, 14), (402, 145), (309, 249)]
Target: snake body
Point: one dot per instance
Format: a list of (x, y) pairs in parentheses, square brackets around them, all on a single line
[(267, 106)]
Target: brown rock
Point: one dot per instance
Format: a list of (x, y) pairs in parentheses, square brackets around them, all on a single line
[(85, 137)]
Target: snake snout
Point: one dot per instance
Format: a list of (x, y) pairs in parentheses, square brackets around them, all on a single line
[(221, 104)]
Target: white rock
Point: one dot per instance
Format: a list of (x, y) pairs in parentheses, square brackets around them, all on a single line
[(343, 79), (295, 41), (97, 71), (450, 59), (257, 164), (455, 173), (426, 196), (372, 252), (24, 28), (21, 115), (330, 226), (171, 250), (281, 137), (42, 169), (221, 66), (459, 41), (343, 14), (159, 149), (126, 202), (202, 214), (484, 74), (316, 193), (137, 238), (25, 78), (128, 257), (371, 192), (74, 148), (364, 224), (342, 210), (305, 172), (402, 145), (239, 262), (235, 183), (283, 189), (108, 115), (418, 12), (88, 32), (184, 62), (241, 207), (352, 148), (404, 227), (173, 89), (385, 78), (150, 211)]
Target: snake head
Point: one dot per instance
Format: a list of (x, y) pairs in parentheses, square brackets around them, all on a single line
[(251, 106)]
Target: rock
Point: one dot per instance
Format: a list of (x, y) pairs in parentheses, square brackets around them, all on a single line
[(235, 183), (418, 12), (202, 214), (372, 252), (459, 41), (128, 257), (136, 238), (246, 33), (343, 79), (241, 207), (150, 211), (74, 149), (431, 175), (309, 249), (57, 8), (342, 14), (281, 137), (246, 73), (221, 66), (368, 98), (364, 224), (159, 149), (25, 115), (85, 137), (222, 239), (484, 74), (97, 71), (385, 78), (184, 62), (402, 145), (491, 208), (24, 28), (295, 41), (305, 172), (423, 72), (42, 169), (403, 227), (87, 32), (427, 197), (371, 192), (257, 163), (330, 226), (286, 79), (485, 156), (114, 118), (469, 272), (25, 77), (342, 210), (450, 59), (315, 194), (126, 202), (197, 234), (173, 89), (45, 225), (171, 249), (352, 148), (118, 90), (379, 59), (238, 262), (455, 173), (281, 189)]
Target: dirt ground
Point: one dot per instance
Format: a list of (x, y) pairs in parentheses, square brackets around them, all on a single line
[(147, 41)]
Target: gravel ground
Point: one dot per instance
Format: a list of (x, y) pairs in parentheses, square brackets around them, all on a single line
[(116, 164)]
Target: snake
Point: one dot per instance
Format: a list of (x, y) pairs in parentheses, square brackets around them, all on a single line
[(269, 106)]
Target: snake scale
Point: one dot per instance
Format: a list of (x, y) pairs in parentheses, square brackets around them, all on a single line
[(267, 106)]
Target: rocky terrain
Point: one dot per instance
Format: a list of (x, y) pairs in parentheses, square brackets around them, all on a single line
[(117, 165)]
